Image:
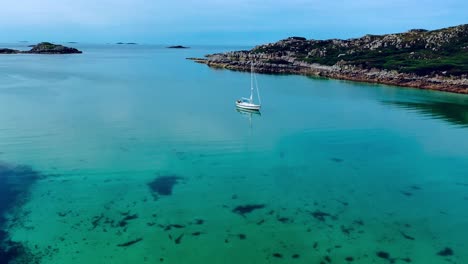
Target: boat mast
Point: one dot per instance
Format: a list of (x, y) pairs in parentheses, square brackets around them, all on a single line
[(251, 82), (258, 92)]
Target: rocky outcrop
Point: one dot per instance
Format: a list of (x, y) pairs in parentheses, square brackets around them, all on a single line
[(9, 51), (177, 47), (418, 58), (347, 72), (43, 48), (49, 48)]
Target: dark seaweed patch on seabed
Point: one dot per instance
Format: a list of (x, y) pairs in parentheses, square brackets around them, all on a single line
[(14, 185), (247, 209), (163, 185)]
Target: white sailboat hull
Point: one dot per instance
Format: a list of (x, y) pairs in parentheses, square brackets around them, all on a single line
[(248, 106), (248, 103)]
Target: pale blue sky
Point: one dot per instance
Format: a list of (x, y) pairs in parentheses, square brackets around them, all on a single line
[(247, 22)]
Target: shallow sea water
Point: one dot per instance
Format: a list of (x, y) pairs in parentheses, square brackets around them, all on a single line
[(330, 172)]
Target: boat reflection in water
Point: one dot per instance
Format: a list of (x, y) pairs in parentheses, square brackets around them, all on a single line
[(248, 114)]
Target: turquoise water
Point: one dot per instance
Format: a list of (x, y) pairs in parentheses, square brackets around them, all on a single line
[(330, 172)]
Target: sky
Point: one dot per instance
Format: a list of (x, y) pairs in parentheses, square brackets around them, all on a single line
[(240, 22)]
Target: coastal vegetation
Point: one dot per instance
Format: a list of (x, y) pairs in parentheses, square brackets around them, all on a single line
[(418, 51), (436, 59)]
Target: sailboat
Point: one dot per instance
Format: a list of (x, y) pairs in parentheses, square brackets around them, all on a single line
[(248, 103)]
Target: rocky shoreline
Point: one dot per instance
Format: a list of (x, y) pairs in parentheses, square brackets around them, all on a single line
[(43, 48), (418, 58), (341, 72)]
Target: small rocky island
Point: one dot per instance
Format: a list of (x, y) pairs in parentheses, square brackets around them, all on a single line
[(419, 58), (43, 48), (177, 47)]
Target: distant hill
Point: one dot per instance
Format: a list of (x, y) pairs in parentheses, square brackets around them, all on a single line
[(416, 51), (436, 59), (177, 47), (43, 48)]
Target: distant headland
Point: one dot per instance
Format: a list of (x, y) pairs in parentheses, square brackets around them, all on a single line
[(177, 47), (43, 48), (419, 58)]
